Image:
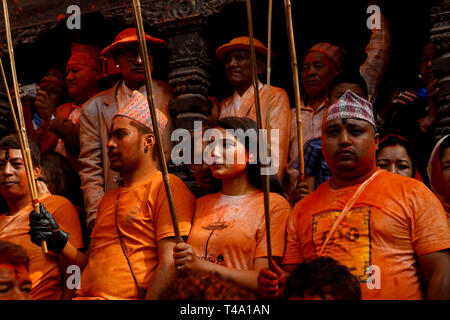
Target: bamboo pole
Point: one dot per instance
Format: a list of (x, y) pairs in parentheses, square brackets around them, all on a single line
[(137, 14), (20, 126), (298, 102), (265, 185)]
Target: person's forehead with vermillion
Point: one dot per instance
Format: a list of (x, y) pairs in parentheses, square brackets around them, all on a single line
[(320, 65), (15, 282), (13, 178), (348, 137), (395, 159), (83, 71)]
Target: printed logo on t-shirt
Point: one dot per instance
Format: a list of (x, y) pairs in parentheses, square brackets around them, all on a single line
[(351, 242), (211, 257)]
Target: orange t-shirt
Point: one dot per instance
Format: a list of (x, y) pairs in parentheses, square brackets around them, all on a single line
[(393, 221), (45, 273), (143, 217), (231, 230)]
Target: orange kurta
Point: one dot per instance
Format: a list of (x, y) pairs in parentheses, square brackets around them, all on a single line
[(45, 273), (280, 117), (387, 228), (231, 230), (143, 218)]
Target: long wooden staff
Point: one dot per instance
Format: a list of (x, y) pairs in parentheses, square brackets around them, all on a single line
[(137, 13), (290, 30), (20, 126), (265, 185)]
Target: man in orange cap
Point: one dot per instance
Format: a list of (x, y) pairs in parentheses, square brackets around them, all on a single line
[(60, 126), (235, 55), (96, 115), (131, 244)]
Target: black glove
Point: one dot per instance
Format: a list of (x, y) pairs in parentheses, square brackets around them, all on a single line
[(44, 227)]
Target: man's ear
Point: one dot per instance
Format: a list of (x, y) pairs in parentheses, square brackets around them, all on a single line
[(260, 65), (149, 142), (37, 172), (377, 140)]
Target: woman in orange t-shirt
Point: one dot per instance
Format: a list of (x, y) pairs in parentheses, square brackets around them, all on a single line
[(228, 235)]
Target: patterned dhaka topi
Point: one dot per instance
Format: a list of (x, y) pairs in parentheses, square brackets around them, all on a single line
[(137, 109), (350, 106)]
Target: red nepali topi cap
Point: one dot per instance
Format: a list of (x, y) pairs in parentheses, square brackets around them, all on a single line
[(350, 106), (334, 53), (137, 109), (240, 43), (84, 54), (127, 37)]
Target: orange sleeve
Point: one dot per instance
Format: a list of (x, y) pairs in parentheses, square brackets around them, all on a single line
[(279, 214), (430, 231), (184, 202), (292, 254), (68, 220)]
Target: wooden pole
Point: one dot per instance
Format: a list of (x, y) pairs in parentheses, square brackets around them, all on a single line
[(264, 178), (298, 102), (137, 13), (20, 127)]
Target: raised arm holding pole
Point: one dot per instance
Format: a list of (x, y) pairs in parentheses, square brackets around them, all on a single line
[(20, 124), (265, 178), (137, 13)]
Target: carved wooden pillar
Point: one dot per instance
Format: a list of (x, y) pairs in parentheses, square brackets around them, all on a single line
[(189, 63), (6, 123), (440, 36)]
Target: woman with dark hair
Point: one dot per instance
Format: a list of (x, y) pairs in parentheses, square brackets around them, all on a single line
[(228, 234), (396, 154), (62, 180), (439, 172)]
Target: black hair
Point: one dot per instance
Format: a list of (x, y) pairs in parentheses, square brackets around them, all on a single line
[(444, 145), (62, 179), (13, 254), (254, 169), (394, 140), (323, 276), (12, 142), (141, 129), (353, 77)]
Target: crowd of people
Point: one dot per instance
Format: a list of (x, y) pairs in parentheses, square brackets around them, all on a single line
[(367, 219)]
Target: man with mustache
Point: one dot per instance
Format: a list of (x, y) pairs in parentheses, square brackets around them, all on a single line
[(385, 227), (235, 55), (96, 115), (47, 271)]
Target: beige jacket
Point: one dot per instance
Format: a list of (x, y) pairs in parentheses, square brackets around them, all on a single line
[(95, 120)]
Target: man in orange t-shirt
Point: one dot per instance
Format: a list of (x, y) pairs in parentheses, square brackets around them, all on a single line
[(132, 242), (395, 229), (47, 271)]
